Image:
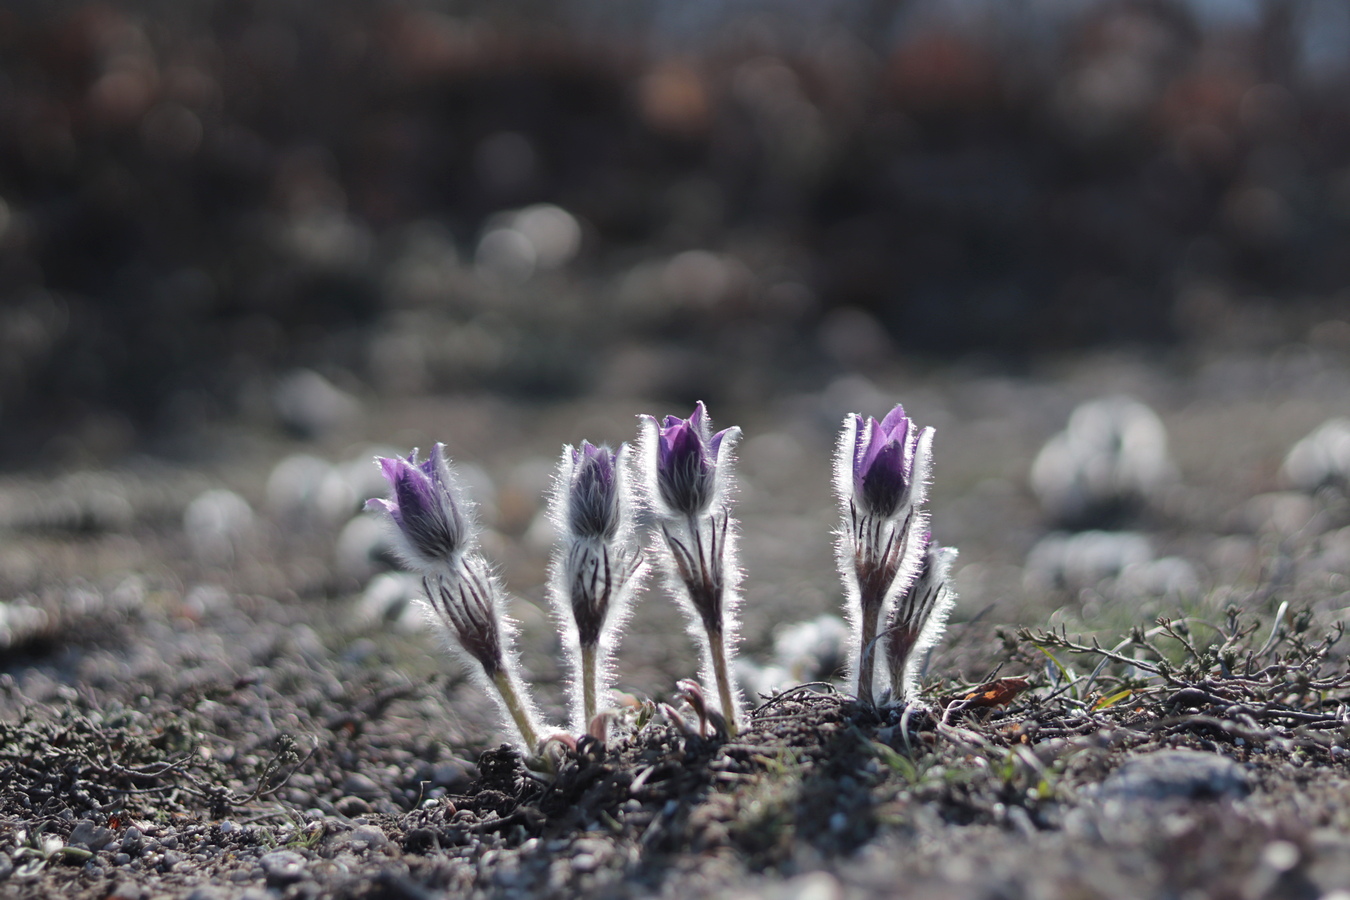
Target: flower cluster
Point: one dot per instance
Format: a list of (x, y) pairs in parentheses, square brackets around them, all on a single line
[(678, 484)]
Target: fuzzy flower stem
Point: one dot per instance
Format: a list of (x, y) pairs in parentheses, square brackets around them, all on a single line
[(717, 643), (701, 572), (468, 603), (919, 618), (597, 566), (881, 474), (431, 522), (877, 562), (687, 476), (506, 684), (588, 682)]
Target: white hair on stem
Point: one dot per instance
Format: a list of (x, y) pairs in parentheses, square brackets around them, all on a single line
[(593, 578), (468, 604), (698, 553), (918, 621), (877, 551)]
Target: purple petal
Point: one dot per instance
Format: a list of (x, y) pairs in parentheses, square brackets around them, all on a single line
[(699, 420), (885, 483), (894, 419), (715, 445), (871, 439), (423, 507), (684, 471), (593, 500)]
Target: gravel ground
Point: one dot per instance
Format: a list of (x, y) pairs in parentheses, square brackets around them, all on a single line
[(222, 705)]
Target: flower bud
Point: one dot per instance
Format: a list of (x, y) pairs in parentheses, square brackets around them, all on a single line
[(429, 515)]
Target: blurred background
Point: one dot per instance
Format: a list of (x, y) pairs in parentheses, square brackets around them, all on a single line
[(244, 246), (712, 199)]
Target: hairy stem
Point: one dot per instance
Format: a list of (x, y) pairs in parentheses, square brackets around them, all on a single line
[(871, 613), (588, 685), (506, 686), (724, 696)]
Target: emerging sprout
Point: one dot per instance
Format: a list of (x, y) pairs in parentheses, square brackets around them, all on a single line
[(881, 479), (919, 618), (433, 527), (687, 474), (596, 569)]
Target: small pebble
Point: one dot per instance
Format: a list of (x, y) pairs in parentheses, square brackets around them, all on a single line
[(1167, 774), (371, 836), (352, 806), (125, 890), (132, 840), (813, 886), (91, 836), (207, 892), (283, 867)]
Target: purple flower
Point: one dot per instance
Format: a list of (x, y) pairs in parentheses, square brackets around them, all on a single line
[(596, 568), (687, 460), (687, 473), (881, 479), (430, 520), (887, 457), (432, 525), (593, 496)]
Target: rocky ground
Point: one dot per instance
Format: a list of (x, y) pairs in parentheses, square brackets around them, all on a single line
[(210, 687)]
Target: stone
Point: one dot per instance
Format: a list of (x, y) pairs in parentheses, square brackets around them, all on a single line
[(125, 890), (132, 840), (207, 892), (1176, 774), (370, 836), (359, 785), (352, 806), (812, 886), (91, 836), (283, 867)]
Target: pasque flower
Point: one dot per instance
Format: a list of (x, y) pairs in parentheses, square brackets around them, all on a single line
[(432, 524), (881, 479), (919, 616), (429, 510), (688, 460), (596, 568), (688, 480)]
